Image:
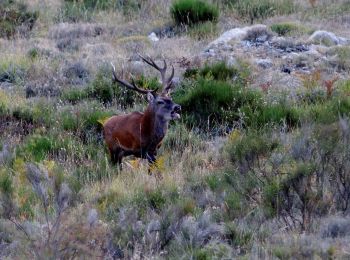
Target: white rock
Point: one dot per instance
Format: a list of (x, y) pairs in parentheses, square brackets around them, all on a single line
[(327, 38), (236, 34), (153, 37)]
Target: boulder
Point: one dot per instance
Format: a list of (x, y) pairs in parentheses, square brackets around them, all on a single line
[(327, 38), (237, 34)]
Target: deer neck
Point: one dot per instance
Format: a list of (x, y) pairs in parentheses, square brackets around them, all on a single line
[(154, 128)]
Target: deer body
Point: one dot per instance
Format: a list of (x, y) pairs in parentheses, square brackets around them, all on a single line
[(141, 134)]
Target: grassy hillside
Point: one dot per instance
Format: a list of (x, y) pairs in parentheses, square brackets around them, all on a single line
[(256, 168)]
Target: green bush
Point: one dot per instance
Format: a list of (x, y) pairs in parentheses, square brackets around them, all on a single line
[(23, 114), (283, 29), (215, 102), (275, 114), (13, 15), (190, 12), (219, 71), (74, 95), (38, 147)]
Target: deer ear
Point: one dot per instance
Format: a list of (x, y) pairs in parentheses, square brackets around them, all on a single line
[(150, 97)]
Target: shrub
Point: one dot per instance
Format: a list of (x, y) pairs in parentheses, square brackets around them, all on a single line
[(247, 150), (12, 73), (15, 18), (38, 147), (215, 102), (261, 9), (190, 12), (202, 31), (75, 10), (340, 57), (273, 114), (219, 71), (283, 29), (208, 98), (179, 137), (74, 95)]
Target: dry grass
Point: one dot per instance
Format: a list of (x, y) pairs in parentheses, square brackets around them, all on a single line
[(54, 47)]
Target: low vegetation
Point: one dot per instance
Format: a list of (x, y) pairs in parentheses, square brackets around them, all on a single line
[(190, 12), (249, 171), (15, 19), (260, 9)]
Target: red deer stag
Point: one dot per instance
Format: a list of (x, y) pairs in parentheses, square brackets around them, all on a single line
[(141, 134)]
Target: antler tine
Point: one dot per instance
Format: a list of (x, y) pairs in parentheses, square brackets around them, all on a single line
[(131, 86), (167, 84)]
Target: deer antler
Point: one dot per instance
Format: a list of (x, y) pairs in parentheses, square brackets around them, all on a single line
[(131, 86), (166, 83)]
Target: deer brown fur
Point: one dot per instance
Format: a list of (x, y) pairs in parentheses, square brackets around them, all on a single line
[(141, 134)]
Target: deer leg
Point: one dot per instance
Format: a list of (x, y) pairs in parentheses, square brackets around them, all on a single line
[(117, 156), (151, 158)]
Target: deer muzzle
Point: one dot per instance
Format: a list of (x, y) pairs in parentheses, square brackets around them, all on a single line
[(175, 113)]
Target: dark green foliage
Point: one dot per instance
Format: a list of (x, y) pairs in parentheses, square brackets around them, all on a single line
[(6, 185), (283, 29), (14, 15), (234, 204), (24, 114), (189, 12), (271, 114), (215, 102), (271, 194), (102, 88), (74, 95), (38, 147), (219, 71)]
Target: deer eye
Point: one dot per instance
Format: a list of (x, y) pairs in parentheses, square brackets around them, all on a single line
[(160, 102)]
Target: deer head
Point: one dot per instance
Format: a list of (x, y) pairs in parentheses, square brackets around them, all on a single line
[(161, 104)]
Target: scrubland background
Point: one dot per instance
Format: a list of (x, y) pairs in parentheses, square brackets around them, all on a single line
[(258, 167)]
